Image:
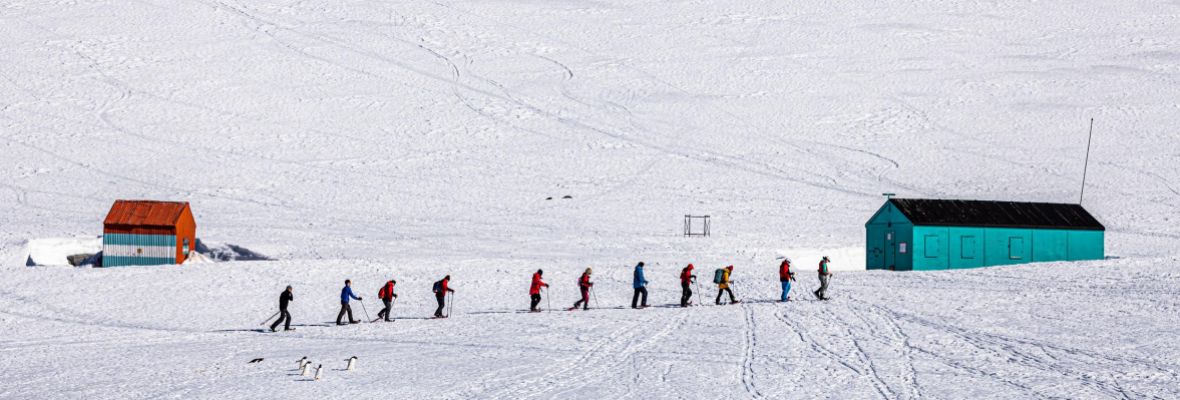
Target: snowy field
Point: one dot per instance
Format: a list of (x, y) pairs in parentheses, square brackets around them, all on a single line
[(369, 140)]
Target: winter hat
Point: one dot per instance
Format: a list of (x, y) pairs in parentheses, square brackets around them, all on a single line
[(690, 265), (641, 263), (540, 272), (729, 268), (447, 278)]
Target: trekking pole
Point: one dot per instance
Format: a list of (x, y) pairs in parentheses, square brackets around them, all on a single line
[(698, 299), (450, 305), (271, 317), (593, 293), (365, 310), (548, 303)]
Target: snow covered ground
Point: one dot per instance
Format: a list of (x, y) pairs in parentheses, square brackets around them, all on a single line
[(368, 139)]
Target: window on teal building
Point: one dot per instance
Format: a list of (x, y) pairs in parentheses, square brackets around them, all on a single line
[(932, 246), (967, 247)]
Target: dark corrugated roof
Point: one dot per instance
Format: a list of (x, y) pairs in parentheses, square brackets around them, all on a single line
[(145, 213), (1004, 214)]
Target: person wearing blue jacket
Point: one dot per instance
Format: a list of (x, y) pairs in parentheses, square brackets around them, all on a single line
[(640, 285), (345, 295)]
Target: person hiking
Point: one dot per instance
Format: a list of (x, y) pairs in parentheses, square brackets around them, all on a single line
[(345, 295), (824, 276), (640, 284), (686, 281), (441, 288), (724, 284), (584, 285), (386, 295), (535, 290), (785, 277), (286, 297)]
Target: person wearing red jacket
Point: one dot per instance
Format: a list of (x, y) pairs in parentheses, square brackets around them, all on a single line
[(584, 285), (535, 290), (441, 288), (785, 276), (386, 295), (686, 280)]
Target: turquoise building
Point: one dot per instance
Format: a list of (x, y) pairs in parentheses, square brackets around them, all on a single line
[(928, 234)]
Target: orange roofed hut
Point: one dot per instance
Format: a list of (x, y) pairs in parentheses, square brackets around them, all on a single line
[(143, 232)]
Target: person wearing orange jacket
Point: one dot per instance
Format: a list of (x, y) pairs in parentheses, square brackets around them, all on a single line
[(724, 286), (535, 290), (686, 280)]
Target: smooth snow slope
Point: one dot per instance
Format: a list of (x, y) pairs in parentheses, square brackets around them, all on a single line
[(359, 139)]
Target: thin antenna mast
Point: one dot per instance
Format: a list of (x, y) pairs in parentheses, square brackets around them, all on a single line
[(1086, 166)]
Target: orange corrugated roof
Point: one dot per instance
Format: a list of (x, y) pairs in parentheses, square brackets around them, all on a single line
[(145, 213)]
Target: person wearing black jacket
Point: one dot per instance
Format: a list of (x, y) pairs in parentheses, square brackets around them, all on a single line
[(285, 298)]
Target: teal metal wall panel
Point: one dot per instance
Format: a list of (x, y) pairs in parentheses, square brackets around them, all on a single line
[(903, 238), (121, 261), (131, 239), (1050, 245), (875, 246), (931, 248), (1086, 245), (966, 247), (887, 234), (1006, 246)]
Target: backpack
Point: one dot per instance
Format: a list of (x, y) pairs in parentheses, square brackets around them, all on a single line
[(719, 276), (437, 286)]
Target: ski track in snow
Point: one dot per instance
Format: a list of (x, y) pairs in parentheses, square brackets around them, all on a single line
[(748, 353)]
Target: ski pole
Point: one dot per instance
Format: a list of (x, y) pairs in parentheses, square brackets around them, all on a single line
[(698, 299), (450, 305), (548, 304), (595, 294), (271, 317), (365, 310)]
